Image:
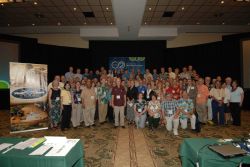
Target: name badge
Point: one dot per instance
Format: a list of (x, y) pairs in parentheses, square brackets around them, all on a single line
[(192, 87), (139, 110), (92, 97), (158, 98), (79, 99), (170, 112), (57, 98), (185, 110), (156, 115), (118, 97)]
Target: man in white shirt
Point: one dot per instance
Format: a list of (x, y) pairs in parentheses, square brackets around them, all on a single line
[(78, 75), (69, 74)]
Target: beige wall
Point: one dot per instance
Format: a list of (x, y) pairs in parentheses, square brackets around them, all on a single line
[(70, 40), (74, 40), (188, 39)]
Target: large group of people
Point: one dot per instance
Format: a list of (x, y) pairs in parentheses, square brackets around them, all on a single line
[(167, 98)]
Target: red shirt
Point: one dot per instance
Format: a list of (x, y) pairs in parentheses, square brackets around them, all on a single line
[(119, 94), (175, 91)]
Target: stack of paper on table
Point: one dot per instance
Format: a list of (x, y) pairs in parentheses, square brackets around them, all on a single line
[(60, 146), (64, 149), (4, 146)]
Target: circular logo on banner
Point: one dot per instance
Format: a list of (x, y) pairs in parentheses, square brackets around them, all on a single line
[(118, 65)]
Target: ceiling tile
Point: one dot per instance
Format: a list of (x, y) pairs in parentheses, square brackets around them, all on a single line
[(175, 2), (108, 14), (94, 2), (164, 2), (172, 8), (85, 8), (58, 2), (99, 14), (160, 8), (105, 2), (158, 14), (96, 8), (152, 2), (81, 2), (187, 2)]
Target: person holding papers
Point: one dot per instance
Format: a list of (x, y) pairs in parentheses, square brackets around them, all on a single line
[(170, 113), (140, 109), (54, 104), (186, 107), (89, 104), (66, 106)]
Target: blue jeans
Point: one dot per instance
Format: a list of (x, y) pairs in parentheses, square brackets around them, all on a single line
[(216, 108), (140, 121)]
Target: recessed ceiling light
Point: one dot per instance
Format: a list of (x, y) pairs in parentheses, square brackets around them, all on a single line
[(35, 3), (223, 23), (8, 25), (2, 4), (183, 8), (222, 2), (145, 23), (198, 23), (85, 23), (58, 23), (33, 24), (149, 8), (74, 9), (111, 23), (107, 8)]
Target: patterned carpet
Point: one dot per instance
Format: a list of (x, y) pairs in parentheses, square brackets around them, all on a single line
[(100, 143)]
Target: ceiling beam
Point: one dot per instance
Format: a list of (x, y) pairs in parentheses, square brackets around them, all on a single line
[(128, 17)]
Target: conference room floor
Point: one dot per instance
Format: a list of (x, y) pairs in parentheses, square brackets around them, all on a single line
[(106, 147)]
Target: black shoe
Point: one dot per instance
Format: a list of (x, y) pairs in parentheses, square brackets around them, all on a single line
[(123, 127)]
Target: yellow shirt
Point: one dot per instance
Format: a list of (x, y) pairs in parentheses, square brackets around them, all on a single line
[(218, 94), (66, 97)]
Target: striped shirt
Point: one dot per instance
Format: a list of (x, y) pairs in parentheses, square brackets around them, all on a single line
[(169, 107)]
